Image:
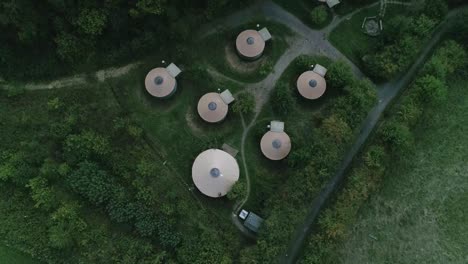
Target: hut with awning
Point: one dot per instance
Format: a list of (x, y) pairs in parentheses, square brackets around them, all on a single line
[(161, 82), (276, 144), (213, 107), (214, 172), (312, 84), (250, 43)]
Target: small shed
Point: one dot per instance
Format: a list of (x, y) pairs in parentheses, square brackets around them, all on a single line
[(312, 85), (250, 43), (173, 70), (243, 214), (319, 69), (265, 34), (213, 107), (253, 222)]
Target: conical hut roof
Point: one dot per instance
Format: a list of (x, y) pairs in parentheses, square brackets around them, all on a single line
[(311, 85), (250, 44), (275, 145), (159, 83), (212, 108), (214, 172)]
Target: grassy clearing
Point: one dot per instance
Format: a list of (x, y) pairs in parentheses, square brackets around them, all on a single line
[(302, 9), (420, 214), (351, 41), (222, 44)]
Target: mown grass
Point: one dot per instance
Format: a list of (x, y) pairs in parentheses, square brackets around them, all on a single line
[(349, 38), (420, 214), (211, 50), (12, 256)]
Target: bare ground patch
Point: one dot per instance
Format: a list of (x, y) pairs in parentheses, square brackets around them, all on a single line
[(189, 117), (239, 65)]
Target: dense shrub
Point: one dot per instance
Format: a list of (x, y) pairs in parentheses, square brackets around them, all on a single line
[(403, 39), (319, 15), (283, 101), (339, 75), (244, 104)]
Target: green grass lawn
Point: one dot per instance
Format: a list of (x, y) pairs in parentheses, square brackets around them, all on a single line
[(12, 256), (302, 9), (420, 215), (349, 38), (215, 54)]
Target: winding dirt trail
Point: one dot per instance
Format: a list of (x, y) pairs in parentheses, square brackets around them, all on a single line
[(80, 79)]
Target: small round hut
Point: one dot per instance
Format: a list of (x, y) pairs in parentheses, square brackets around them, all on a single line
[(212, 108), (311, 85)]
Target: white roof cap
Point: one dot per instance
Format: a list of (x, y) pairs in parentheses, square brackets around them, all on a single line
[(276, 126), (173, 70), (265, 34), (227, 96), (319, 69)]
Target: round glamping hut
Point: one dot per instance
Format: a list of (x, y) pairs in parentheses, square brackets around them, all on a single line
[(275, 144), (214, 172), (160, 82), (213, 107), (311, 85), (250, 44)]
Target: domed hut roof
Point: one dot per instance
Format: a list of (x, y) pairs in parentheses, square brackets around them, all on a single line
[(214, 172), (160, 82), (213, 107), (311, 85), (275, 144), (250, 44)]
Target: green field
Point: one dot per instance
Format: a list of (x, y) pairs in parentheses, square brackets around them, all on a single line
[(11, 256), (420, 215)]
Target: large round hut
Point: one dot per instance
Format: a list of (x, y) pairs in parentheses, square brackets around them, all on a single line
[(214, 172)]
